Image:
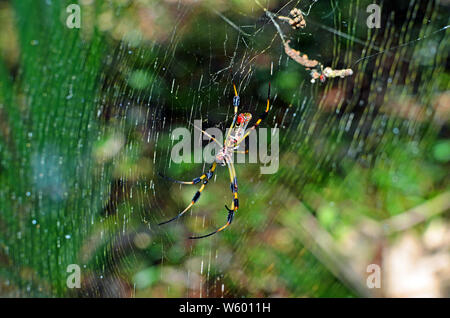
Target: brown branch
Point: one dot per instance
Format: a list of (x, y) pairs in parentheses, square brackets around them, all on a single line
[(297, 20), (300, 58)]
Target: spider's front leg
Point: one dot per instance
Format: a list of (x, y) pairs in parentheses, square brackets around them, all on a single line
[(236, 102), (261, 118)]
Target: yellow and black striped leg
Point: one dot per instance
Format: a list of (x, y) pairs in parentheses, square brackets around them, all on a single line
[(234, 189), (194, 200), (236, 102), (207, 175), (234, 203), (260, 119), (208, 135)]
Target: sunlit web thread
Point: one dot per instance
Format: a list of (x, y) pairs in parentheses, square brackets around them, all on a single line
[(403, 45), (231, 23), (239, 29)]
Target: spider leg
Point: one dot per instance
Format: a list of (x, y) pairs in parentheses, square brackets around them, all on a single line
[(205, 177), (236, 102), (261, 118), (234, 203), (230, 219), (208, 175), (211, 139), (194, 200), (196, 195), (208, 135)]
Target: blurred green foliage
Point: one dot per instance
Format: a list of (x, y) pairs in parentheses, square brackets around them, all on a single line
[(86, 117)]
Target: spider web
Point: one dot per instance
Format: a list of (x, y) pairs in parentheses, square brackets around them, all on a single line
[(326, 125), (174, 63)]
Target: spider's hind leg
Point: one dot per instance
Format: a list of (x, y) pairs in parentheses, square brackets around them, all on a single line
[(204, 178), (193, 201), (229, 220), (207, 175), (234, 203), (194, 181)]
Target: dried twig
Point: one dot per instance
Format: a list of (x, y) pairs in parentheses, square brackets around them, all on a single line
[(300, 58), (323, 74), (297, 20)]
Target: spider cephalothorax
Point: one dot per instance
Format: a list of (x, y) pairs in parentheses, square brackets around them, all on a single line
[(236, 134), (239, 129), (233, 138)]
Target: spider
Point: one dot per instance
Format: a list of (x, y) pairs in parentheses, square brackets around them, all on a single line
[(236, 134)]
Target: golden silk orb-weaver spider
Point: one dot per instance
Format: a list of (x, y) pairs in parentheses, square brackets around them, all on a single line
[(235, 136)]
